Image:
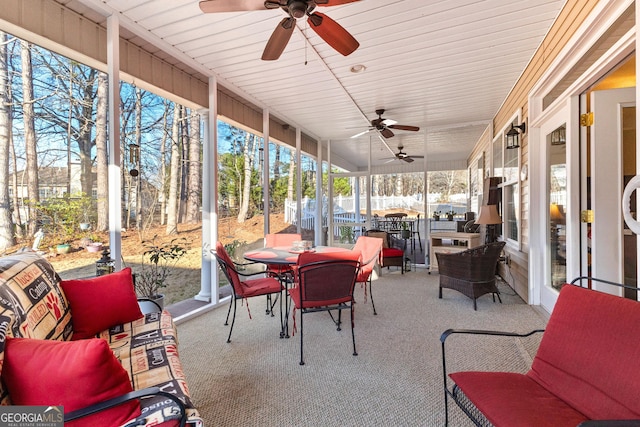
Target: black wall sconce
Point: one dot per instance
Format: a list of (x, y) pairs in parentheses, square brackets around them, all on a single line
[(513, 136)]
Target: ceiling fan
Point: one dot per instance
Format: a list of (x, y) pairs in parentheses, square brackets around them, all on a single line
[(328, 29), (385, 126), (401, 155)]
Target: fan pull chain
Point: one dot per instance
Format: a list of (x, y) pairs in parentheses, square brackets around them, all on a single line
[(306, 40)]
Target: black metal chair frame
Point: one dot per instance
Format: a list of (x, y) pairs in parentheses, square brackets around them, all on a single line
[(346, 270), (235, 296), (469, 408)]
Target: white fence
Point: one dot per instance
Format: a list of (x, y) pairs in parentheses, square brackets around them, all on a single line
[(345, 210)]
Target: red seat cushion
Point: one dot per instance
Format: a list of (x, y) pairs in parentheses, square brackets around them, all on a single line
[(510, 399), (100, 303), (74, 374), (262, 286), (589, 352), (392, 252)]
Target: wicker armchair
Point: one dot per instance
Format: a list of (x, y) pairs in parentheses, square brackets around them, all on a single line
[(471, 272)]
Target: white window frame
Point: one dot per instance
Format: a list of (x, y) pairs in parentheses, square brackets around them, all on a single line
[(512, 182)]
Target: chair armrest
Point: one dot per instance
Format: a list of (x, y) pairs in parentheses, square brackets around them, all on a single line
[(446, 334), (138, 394)]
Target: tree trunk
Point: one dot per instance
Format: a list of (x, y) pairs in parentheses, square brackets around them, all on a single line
[(163, 166), (138, 179), (184, 165), (246, 183), (102, 166), (6, 225), (291, 179), (84, 138), (174, 174), (29, 133), (193, 188)]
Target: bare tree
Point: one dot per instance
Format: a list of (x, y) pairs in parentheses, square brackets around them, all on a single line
[(6, 225), (193, 187), (174, 174), (102, 166), (138, 141), (163, 162), (291, 179), (246, 183), (29, 131)]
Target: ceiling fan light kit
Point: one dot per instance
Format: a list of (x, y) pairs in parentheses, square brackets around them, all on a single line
[(328, 29)]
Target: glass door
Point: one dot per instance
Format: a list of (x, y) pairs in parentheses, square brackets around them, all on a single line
[(606, 170), (555, 134)]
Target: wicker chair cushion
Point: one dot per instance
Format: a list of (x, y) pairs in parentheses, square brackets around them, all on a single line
[(511, 399)]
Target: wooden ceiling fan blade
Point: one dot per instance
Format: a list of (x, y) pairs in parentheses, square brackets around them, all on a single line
[(386, 133), (408, 159), (215, 6), (333, 33), (279, 39), (405, 127), (333, 2), (417, 157)]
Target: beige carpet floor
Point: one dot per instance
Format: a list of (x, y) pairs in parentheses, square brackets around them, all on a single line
[(396, 379)]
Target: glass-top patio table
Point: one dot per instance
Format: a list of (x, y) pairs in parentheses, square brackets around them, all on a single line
[(284, 255)]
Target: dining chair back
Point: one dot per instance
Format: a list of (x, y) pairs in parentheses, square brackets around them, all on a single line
[(325, 282), (392, 249), (281, 239), (371, 249), (245, 289)]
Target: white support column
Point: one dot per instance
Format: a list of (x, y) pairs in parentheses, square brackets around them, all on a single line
[(209, 272), (115, 202), (425, 202), (368, 187), (329, 197), (318, 222), (299, 180), (266, 194)]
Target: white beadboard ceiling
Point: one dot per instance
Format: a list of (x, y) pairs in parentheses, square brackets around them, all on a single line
[(443, 65)]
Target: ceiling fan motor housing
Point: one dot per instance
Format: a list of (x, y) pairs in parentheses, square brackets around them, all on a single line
[(298, 8)]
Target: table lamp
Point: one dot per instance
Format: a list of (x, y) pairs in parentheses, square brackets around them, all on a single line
[(489, 216)]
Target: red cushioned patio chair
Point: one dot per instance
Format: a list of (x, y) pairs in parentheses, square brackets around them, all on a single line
[(371, 249), (246, 289), (325, 282), (392, 249)]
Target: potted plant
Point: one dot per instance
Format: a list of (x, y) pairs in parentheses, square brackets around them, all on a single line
[(406, 233), (158, 261), (450, 215), (436, 215)]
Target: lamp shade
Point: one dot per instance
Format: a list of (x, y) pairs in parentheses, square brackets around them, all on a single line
[(489, 215), (555, 212)]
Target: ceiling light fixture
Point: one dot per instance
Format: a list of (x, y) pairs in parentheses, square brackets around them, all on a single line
[(358, 68), (513, 136)]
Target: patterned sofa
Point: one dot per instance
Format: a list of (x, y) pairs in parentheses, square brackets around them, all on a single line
[(81, 343)]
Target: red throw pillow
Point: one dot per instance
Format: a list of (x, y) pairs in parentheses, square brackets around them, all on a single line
[(73, 374), (101, 302)]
